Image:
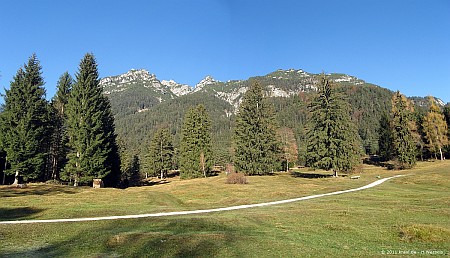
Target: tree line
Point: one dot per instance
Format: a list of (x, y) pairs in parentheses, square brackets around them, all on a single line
[(72, 137)]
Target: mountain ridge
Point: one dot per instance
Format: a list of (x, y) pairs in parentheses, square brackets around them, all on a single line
[(280, 83), (141, 103)]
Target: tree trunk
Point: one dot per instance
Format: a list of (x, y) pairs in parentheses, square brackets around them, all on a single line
[(162, 158), (440, 151), (421, 152), (287, 165), (54, 167), (335, 173), (202, 163), (4, 171), (77, 165), (16, 178)]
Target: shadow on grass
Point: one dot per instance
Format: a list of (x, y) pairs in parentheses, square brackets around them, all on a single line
[(169, 237), (150, 183), (10, 191), (310, 175), (376, 161), (18, 213)]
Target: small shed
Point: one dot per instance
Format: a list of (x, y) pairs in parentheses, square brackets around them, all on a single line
[(97, 183)]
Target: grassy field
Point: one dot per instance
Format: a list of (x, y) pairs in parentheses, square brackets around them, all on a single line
[(407, 216)]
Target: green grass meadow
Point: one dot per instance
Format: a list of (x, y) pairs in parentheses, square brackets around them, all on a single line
[(405, 216)]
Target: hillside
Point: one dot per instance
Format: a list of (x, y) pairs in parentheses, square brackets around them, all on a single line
[(141, 103)]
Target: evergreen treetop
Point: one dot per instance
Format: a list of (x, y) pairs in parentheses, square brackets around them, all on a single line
[(26, 121), (59, 139), (61, 98), (403, 127), (256, 146), (195, 146), (332, 139), (90, 127)]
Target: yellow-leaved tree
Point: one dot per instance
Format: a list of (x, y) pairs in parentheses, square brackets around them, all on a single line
[(435, 128)]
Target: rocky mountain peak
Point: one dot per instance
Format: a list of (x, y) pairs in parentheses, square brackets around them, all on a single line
[(206, 81), (177, 88), (131, 76)]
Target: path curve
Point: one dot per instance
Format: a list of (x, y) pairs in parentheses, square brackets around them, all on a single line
[(175, 213)]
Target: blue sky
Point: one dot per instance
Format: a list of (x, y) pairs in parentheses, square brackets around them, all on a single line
[(398, 44)]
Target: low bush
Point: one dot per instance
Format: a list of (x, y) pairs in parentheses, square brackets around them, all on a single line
[(237, 178)]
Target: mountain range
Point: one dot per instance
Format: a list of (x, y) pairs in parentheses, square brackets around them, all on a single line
[(141, 103)]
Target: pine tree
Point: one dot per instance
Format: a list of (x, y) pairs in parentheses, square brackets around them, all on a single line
[(332, 138), (3, 160), (435, 129), (130, 167), (161, 152), (59, 102), (26, 122), (403, 127), (90, 128), (256, 146), (195, 147), (385, 146)]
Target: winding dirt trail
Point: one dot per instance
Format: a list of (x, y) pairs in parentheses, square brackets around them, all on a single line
[(177, 213)]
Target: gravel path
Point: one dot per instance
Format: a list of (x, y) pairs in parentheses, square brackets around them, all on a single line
[(176, 213)]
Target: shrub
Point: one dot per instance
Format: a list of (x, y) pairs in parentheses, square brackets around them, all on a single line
[(237, 178)]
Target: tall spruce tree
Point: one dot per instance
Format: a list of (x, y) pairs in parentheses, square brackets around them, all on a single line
[(161, 152), (58, 149), (90, 128), (256, 146), (26, 123), (385, 147), (333, 142), (3, 160), (403, 127), (435, 129), (195, 147)]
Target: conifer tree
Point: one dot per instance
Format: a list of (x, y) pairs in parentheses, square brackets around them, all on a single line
[(59, 137), (130, 167), (195, 147), (161, 152), (332, 138), (435, 129), (256, 146), (385, 141), (90, 128), (447, 115), (403, 127), (26, 122)]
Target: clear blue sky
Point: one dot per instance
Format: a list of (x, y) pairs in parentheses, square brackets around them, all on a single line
[(398, 44)]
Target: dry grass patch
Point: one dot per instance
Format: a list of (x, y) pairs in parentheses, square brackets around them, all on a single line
[(423, 233)]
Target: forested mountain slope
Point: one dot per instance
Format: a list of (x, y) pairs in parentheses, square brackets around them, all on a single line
[(142, 103)]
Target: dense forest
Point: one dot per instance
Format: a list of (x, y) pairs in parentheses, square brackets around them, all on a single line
[(267, 123)]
